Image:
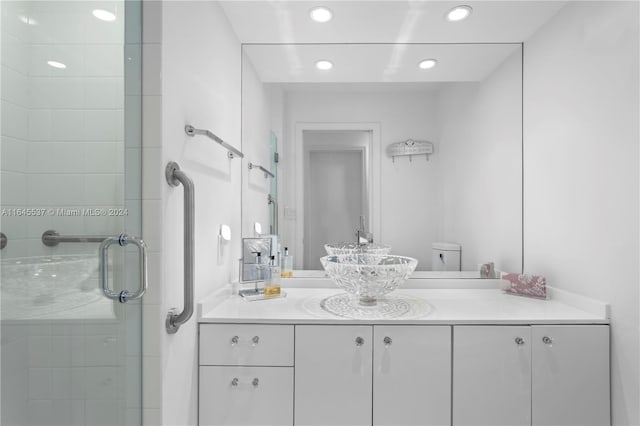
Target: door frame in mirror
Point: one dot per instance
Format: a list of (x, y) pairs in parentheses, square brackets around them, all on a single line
[(374, 171)]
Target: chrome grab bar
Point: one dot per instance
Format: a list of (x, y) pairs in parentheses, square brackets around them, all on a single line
[(51, 238), (175, 176), (122, 240), (192, 131), (257, 166)]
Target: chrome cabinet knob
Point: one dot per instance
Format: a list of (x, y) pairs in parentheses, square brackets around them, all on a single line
[(547, 340), (236, 340), (387, 341), (359, 341), (519, 341), (236, 382)]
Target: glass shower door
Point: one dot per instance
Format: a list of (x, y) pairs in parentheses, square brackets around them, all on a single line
[(70, 167)]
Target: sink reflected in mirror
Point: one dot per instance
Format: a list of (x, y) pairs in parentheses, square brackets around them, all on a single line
[(354, 248)]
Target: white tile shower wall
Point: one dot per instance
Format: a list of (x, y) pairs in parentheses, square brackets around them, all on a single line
[(401, 116), (63, 373), (481, 136), (63, 128), (14, 112), (191, 63), (581, 132)]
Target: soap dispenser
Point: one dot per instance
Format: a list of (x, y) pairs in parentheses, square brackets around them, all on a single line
[(272, 283), (259, 268), (287, 264)]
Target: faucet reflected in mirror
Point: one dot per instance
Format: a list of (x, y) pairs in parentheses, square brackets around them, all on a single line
[(362, 235)]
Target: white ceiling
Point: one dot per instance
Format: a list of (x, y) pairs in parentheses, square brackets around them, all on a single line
[(400, 21), (376, 63), (380, 41)]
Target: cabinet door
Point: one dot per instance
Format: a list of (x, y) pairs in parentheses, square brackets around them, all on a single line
[(491, 375), (333, 375), (411, 375), (247, 396), (570, 375)]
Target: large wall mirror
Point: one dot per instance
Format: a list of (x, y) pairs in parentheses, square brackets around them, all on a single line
[(333, 130)]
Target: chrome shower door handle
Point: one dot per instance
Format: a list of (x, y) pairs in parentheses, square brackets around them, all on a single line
[(122, 240)]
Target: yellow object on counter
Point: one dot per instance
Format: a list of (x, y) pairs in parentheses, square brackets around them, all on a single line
[(271, 289)]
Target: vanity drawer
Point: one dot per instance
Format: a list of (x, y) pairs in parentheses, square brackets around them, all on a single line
[(249, 396), (246, 344)]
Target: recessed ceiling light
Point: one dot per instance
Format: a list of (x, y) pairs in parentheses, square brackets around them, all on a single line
[(27, 20), (459, 13), (427, 63), (321, 14), (104, 15), (56, 64), (324, 65)]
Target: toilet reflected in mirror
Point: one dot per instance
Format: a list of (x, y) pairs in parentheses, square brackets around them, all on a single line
[(446, 257)]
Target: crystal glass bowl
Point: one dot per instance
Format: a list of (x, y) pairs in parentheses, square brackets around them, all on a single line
[(368, 276), (352, 248)]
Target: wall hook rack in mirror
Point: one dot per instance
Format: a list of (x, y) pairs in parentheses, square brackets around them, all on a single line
[(409, 147), (192, 131), (257, 166)]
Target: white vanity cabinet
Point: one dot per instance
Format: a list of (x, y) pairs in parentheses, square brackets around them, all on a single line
[(333, 375), (372, 375), (570, 375), (531, 375), (479, 358), (492, 375), (411, 375), (246, 375)]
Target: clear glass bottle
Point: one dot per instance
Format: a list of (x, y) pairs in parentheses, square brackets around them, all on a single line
[(272, 283), (287, 264), (258, 268)]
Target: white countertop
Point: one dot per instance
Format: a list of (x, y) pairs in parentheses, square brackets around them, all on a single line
[(445, 306)]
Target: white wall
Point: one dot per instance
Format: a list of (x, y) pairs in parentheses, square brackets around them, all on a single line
[(581, 166), (193, 64), (256, 131), (408, 213), (481, 148)]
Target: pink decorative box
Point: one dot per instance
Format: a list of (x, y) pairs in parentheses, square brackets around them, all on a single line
[(525, 285)]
